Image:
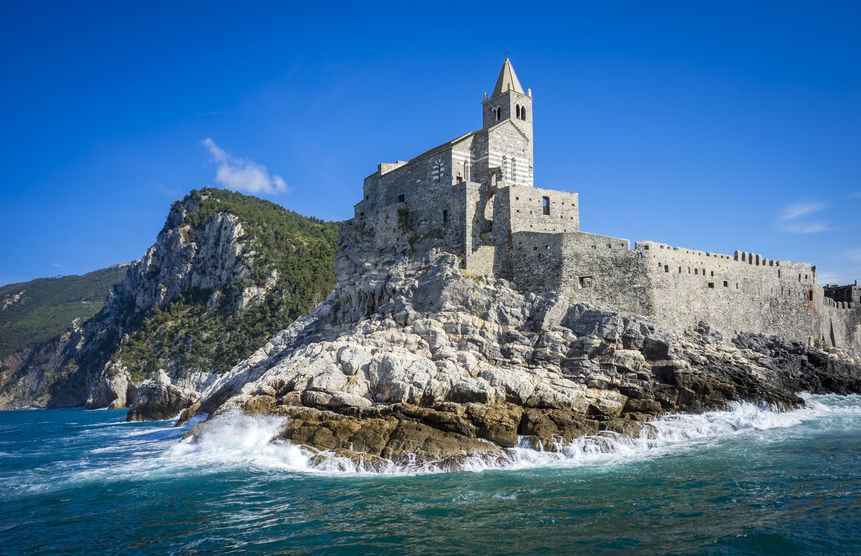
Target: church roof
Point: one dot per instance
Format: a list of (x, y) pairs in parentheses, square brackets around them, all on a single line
[(507, 80)]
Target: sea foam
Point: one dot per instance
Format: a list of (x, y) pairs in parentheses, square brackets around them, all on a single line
[(235, 439)]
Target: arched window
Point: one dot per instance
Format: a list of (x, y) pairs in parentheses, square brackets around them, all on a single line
[(466, 170), (523, 113), (513, 170), (498, 113), (517, 110), (504, 166)]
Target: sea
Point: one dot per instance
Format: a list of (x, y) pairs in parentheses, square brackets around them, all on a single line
[(748, 480)]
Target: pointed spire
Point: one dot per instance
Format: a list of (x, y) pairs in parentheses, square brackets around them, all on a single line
[(507, 80)]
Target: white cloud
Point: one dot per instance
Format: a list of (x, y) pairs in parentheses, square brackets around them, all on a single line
[(793, 218), (243, 174)]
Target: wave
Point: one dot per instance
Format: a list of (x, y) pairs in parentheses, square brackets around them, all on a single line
[(235, 441), (238, 440)]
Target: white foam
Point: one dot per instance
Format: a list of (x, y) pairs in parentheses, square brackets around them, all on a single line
[(234, 441)]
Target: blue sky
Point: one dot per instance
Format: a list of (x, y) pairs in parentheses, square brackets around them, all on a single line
[(716, 126)]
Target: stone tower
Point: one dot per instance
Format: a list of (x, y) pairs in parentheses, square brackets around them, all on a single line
[(508, 101)]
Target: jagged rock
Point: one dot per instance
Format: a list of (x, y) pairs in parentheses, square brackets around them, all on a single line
[(158, 399), (408, 357), (114, 392)]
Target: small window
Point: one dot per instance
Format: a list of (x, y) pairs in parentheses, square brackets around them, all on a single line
[(445, 217), (523, 113), (696, 271), (585, 281), (545, 205), (725, 284), (401, 198), (712, 285), (517, 111), (666, 268)]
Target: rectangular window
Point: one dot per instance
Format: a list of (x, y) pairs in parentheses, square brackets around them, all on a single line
[(445, 217), (712, 285), (401, 198), (545, 205)]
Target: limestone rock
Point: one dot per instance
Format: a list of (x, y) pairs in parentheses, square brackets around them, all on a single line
[(159, 399)]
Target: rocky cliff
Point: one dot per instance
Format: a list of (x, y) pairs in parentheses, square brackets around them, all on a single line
[(408, 359), (225, 273)]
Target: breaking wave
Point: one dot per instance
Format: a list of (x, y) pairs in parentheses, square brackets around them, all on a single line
[(235, 442), (238, 440)]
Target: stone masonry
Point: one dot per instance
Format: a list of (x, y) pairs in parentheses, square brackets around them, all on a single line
[(476, 195)]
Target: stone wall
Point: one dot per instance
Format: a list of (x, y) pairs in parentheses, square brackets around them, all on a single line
[(742, 293)]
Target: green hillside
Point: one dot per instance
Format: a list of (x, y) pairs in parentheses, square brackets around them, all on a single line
[(205, 332), (36, 311)]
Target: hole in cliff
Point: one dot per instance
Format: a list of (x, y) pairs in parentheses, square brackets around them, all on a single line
[(585, 281)]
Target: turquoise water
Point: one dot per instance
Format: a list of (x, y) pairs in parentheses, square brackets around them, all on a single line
[(742, 481)]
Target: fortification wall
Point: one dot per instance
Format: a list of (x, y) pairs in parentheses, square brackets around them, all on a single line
[(604, 271), (742, 293), (590, 268)]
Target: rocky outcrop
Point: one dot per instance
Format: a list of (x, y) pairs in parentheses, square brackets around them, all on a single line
[(410, 358), (225, 273), (158, 399)]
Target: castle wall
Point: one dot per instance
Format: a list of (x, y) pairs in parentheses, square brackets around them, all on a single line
[(590, 268), (742, 293)]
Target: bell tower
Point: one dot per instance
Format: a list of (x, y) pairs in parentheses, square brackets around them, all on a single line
[(508, 101)]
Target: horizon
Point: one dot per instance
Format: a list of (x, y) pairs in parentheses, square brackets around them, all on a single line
[(716, 129)]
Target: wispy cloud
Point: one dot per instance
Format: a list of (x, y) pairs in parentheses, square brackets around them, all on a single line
[(854, 255), (243, 174), (172, 193), (795, 218)]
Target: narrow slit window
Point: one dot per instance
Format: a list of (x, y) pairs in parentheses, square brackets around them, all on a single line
[(545, 205)]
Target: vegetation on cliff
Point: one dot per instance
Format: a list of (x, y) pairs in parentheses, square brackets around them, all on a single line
[(289, 260), (225, 273), (34, 312)]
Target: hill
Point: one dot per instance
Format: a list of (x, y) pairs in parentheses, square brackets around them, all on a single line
[(225, 273), (34, 312)]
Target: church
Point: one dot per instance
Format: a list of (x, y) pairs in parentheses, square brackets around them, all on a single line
[(475, 196)]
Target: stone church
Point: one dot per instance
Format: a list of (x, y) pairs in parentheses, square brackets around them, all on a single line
[(476, 195)]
